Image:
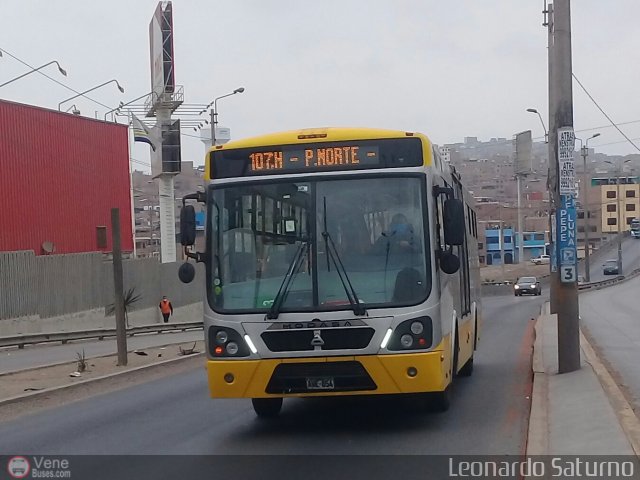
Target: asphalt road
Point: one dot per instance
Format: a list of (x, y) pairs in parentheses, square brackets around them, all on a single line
[(612, 318), (14, 359), (630, 259), (173, 415)]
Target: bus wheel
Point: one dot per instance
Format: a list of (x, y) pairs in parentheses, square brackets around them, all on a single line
[(467, 368), (440, 401), (267, 407)]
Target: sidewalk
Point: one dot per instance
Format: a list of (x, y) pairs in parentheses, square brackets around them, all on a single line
[(577, 413)]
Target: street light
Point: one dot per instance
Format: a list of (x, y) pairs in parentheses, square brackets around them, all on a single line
[(584, 151), (214, 112), (546, 133), (618, 208), (60, 69), (92, 89), (75, 109)]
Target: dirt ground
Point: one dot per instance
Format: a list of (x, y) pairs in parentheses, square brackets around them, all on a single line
[(13, 384), (495, 273)]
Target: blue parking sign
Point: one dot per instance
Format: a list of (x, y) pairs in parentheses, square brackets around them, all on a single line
[(567, 235)]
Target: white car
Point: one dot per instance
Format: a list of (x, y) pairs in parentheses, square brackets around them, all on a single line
[(541, 260)]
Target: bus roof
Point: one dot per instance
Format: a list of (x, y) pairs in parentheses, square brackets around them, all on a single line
[(324, 134)]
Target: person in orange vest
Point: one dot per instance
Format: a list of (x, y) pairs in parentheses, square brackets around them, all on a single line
[(166, 308)]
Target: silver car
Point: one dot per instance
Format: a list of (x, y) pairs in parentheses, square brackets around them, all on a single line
[(527, 286)]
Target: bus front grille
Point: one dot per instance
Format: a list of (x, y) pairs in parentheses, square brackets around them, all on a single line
[(325, 339)]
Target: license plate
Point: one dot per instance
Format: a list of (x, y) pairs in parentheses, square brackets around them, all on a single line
[(320, 383)]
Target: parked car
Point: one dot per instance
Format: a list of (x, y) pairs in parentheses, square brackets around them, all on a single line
[(527, 285), (610, 267), (541, 260)]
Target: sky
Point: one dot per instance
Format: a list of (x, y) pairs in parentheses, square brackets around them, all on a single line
[(449, 69)]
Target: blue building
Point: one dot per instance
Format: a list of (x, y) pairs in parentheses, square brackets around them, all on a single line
[(200, 220), (533, 246), (492, 239)]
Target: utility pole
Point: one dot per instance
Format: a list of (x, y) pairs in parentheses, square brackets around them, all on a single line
[(501, 240), (563, 187), (585, 208), (214, 121), (520, 229), (118, 284), (620, 222), (552, 179)]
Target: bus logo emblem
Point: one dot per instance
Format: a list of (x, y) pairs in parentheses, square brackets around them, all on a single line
[(317, 341)]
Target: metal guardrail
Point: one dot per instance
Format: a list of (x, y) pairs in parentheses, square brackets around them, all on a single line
[(504, 288), (609, 281), (21, 340)]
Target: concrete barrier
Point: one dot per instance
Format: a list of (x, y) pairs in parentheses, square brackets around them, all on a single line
[(96, 318)]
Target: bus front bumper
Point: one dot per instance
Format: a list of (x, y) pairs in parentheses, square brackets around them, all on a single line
[(329, 376)]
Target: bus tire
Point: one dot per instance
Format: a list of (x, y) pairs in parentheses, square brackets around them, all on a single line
[(267, 407), (440, 402), (467, 368)]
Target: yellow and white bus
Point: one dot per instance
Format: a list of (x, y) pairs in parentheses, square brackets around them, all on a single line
[(339, 261)]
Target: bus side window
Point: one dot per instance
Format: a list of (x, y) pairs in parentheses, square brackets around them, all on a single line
[(439, 205)]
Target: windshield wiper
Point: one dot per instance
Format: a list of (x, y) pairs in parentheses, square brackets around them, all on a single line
[(292, 271), (352, 296)]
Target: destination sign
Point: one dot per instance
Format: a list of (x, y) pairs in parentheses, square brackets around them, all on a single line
[(316, 157), (313, 158)]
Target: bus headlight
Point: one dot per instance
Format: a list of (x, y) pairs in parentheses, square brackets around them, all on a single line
[(417, 328), (226, 342), (232, 348), (415, 334), (406, 340)]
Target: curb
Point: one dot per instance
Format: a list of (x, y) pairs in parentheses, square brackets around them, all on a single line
[(539, 429), (103, 378), (57, 364), (629, 422)]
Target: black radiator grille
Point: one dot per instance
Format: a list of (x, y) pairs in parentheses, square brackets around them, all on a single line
[(292, 377), (333, 338)]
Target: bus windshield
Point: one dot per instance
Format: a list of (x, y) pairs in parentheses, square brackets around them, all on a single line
[(263, 232)]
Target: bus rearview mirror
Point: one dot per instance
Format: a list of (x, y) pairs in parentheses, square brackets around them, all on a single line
[(188, 226), (453, 219)]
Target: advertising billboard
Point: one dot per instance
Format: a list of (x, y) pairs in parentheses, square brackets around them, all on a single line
[(522, 163), (161, 48)]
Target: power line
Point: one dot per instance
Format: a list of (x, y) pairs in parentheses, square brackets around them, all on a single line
[(603, 112), (53, 79), (614, 143)]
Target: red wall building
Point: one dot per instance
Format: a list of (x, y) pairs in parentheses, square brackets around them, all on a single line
[(60, 175)]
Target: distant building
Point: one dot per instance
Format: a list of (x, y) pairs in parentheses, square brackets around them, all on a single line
[(445, 153), (493, 248), (619, 202), (147, 209)]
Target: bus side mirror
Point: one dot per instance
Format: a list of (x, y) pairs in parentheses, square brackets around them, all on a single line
[(188, 226), (453, 219), (449, 262), (186, 272)]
